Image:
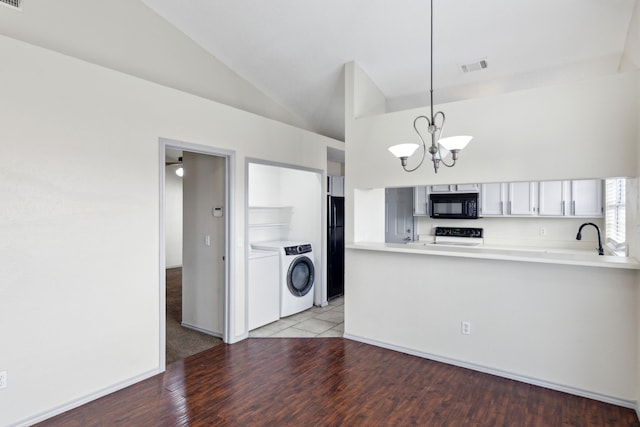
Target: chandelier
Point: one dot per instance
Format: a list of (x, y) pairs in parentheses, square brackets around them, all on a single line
[(440, 148)]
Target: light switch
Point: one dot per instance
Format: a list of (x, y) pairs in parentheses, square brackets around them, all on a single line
[(207, 240)]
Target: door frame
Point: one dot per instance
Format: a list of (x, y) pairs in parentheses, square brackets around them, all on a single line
[(229, 250)]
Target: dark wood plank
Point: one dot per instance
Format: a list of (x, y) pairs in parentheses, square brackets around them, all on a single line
[(333, 382)]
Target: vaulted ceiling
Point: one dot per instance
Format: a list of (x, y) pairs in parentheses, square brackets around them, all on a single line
[(294, 50)]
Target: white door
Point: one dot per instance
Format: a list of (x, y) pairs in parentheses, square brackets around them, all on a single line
[(398, 215), (203, 260)]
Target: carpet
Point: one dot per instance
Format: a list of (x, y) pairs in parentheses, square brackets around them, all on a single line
[(181, 342)]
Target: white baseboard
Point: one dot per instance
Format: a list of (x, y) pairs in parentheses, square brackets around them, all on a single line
[(199, 329), (84, 400), (524, 379)]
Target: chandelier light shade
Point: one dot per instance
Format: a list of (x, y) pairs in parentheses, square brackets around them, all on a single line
[(403, 152), (440, 147), (455, 143)]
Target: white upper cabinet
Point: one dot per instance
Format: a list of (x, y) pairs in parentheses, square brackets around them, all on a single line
[(586, 198), (335, 186), (454, 188), (466, 188), (515, 198), (443, 188), (553, 196), (492, 199), (582, 198), (522, 198)]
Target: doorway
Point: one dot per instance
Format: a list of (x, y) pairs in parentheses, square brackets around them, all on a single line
[(284, 208), (195, 223)]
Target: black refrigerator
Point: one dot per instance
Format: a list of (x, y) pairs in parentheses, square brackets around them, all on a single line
[(335, 247)]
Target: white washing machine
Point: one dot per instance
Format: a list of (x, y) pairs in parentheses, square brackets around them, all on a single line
[(297, 274)]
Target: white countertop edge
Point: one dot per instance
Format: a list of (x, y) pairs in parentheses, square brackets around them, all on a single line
[(579, 259)]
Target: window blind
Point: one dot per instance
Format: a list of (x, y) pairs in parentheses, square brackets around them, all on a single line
[(615, 215)]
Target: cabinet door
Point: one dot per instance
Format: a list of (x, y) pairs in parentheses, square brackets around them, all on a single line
[(522, 198), (586, 198), (552, 198), (420, 201), (442, 188), (492, 196), (466, 188), (336, 186)]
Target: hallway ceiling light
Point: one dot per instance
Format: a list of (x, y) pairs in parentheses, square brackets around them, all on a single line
[(179, 170), (440, 147)]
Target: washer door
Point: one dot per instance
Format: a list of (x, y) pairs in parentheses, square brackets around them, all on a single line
[(300, 276)]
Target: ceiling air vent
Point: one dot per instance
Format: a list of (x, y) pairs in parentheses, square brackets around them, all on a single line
[(15, 4), (474, 66)]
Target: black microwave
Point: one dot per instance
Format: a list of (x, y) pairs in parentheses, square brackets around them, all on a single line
[(454, 205)]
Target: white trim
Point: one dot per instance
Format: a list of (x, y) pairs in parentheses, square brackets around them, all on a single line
[(204, 331), (86, 399), (162, 315), (497, 372)]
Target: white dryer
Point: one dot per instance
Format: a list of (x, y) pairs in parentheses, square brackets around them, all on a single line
[(297, 274)]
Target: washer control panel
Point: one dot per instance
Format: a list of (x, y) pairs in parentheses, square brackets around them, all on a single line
[(297, 250)]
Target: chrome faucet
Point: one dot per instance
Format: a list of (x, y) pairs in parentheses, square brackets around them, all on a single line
[(579, 236)]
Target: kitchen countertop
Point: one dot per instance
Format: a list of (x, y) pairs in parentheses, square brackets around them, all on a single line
[(505, 253)]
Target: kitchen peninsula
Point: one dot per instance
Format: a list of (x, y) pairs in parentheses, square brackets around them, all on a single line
[(563, 321), (573, 257)]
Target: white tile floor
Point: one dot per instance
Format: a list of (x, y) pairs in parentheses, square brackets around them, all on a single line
[(316, 322)]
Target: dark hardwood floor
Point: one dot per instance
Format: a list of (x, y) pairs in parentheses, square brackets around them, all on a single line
[(333, 382)]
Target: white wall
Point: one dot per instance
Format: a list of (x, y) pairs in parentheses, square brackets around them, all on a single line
[(335, 168), (540, 134), (303, 191), (70, 226), (566, 327), (299, 191), (145, 45), (264, 185), (525, 231), (173, 217), (203, 271)]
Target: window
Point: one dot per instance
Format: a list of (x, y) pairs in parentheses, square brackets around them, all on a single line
[(615, 216)]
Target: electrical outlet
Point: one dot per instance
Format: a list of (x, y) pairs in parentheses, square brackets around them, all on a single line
[(466, 328), (3, 379), (543, 231)]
